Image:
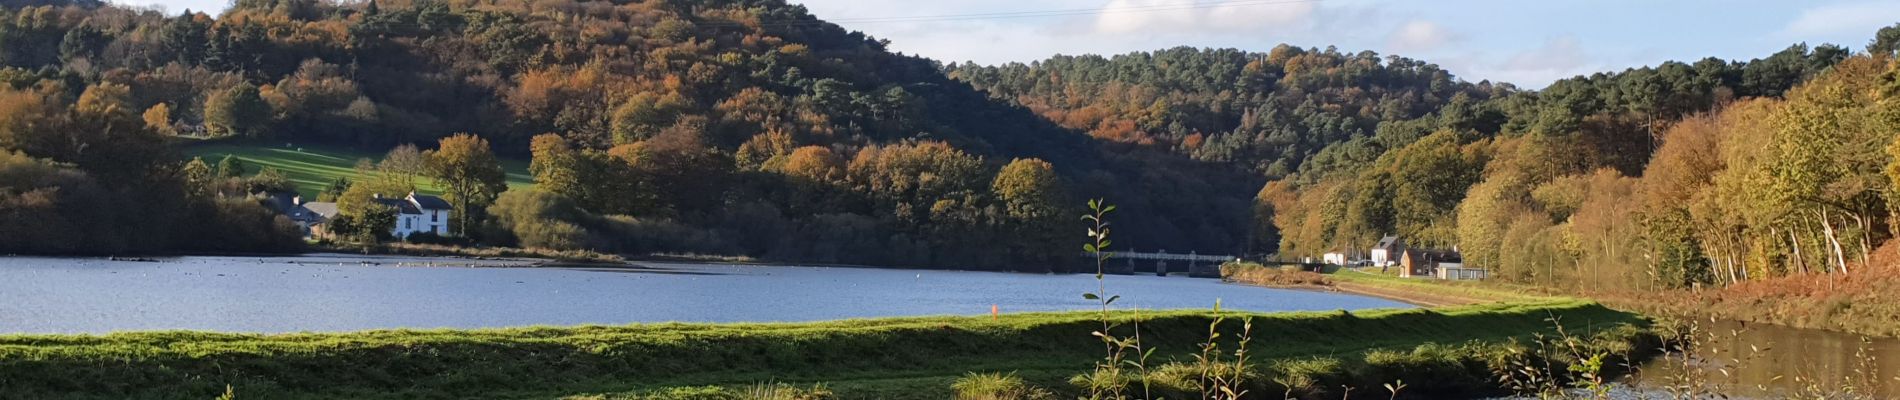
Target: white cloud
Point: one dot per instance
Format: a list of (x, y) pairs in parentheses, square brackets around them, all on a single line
[(1174, 17), (1420, 35), (1261, 15), (1557, 58), (1838, 19), (212, 7)]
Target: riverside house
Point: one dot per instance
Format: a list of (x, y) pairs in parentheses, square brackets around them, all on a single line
[(416, 213), (1387, 252)]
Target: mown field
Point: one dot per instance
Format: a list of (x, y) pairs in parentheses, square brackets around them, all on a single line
[(1443, 352), (312, 167)]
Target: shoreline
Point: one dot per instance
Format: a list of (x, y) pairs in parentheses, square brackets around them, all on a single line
[(864, 358), (1864, 312)]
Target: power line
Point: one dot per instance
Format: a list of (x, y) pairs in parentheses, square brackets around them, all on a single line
[(1175, 6), (1073, 11), (814, 21)]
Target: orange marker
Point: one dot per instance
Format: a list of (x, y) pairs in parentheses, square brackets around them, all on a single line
[(993, 312)]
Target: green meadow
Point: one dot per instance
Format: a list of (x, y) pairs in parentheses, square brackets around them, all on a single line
[(312, 167), (1443, 352)]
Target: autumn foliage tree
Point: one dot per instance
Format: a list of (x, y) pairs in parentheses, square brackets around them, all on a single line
[(469, 174)]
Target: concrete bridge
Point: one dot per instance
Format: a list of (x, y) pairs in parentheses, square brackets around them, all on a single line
[(1195, 264)]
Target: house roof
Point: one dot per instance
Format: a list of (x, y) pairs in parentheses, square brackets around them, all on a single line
[(304, 214), (286, 203), (1387, 242), (402, 206), (1435, 255), (428, 202), (283, 202), (322, 209)]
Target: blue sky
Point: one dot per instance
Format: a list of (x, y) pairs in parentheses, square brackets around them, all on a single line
[(1529, 43)]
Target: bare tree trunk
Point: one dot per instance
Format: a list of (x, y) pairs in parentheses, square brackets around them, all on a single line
[(1833, 241), (1866, 239), (1800, 262)]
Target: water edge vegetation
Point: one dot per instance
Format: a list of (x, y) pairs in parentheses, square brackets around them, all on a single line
[(1451, 352)]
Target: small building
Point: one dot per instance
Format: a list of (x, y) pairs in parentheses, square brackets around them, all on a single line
[(1428, 263), (416, 213), (1387, 251), (291, 205), (323, 210), (1334, 257), (1458, 272)]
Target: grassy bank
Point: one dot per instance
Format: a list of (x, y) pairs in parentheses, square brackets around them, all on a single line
[(1865, 302), (313, 167), (438, 250), (1424, 292), (876, 358)]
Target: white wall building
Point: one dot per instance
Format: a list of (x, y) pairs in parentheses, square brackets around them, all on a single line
[(1387, 251), (419, 213), (416, 213)]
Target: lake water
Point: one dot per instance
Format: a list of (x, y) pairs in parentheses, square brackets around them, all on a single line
[(323, 292)]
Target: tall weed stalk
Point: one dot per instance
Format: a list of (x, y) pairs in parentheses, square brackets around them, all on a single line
[(1110, 378)]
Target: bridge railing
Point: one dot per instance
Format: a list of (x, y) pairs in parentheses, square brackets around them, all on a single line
[(1165, 256)]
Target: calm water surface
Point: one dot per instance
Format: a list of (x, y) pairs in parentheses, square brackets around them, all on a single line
[(347, 292), (1735, 360), (1762, 361)]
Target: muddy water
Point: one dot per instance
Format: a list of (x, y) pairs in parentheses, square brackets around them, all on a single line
[(1761, 361)]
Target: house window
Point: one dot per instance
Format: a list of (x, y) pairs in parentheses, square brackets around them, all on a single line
[(405, 224), (433, 215)]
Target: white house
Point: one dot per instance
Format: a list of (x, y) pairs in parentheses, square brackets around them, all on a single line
[(1334, 258), (1387, 251), (416, 213)]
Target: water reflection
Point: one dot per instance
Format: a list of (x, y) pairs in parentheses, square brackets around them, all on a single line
[(1770, 361)]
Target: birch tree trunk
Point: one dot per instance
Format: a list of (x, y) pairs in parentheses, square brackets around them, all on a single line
[(1833, 241), (1795, 243)]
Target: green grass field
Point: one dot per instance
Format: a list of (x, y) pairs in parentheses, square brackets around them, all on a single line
[(312, 167), (903, 358)]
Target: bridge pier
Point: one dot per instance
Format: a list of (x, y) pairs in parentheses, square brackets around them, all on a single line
[(1205, 271), (1197, 265), (1126, 269)]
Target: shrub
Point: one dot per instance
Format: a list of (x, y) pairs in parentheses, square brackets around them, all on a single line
[(631, 235), (996, 386), (540, 219), (1256, 274), (781, 391)]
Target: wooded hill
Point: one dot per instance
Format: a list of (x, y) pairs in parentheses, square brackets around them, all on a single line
[(750, 126), (755, 128)]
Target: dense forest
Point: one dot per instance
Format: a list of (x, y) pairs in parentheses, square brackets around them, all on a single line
[(1674, 175), (1677, 175), (732, 127)]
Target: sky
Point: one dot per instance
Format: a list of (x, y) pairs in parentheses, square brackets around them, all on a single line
[(1527, 43)]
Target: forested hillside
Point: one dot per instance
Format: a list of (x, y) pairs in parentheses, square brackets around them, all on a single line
[(1390, 143), (1267, 112), (751, 127), (737, 127), (1676, 175)]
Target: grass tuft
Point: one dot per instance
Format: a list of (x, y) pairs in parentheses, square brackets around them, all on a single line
[(997, 386)]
